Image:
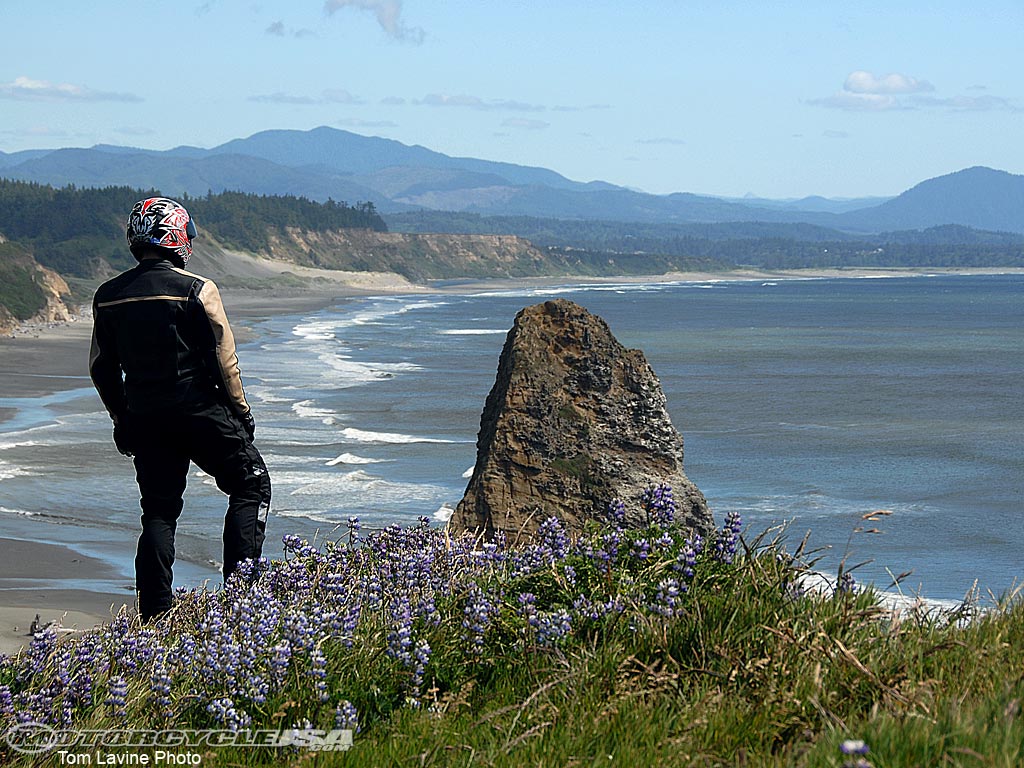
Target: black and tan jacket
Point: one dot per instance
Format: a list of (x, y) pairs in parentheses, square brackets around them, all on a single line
[(165, 330)]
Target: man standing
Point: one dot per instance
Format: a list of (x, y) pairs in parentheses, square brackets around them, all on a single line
[(163, 361)]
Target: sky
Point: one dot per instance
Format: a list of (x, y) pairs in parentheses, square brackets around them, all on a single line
[(770, 98)]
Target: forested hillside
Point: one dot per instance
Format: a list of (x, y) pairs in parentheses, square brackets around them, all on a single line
[(71, 230), (79, 233)]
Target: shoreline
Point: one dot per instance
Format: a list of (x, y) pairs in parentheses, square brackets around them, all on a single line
[(75, 608), (48, 359)]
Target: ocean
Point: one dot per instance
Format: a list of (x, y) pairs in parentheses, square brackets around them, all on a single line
[(804, 405)]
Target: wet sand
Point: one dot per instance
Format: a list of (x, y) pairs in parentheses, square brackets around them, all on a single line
[(22, 563)]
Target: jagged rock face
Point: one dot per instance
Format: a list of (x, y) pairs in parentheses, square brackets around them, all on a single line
[(574, 420)]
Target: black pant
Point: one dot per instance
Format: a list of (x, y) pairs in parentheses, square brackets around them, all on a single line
[(164, 443)]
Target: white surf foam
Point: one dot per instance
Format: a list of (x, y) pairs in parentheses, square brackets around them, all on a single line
[(9, 471), (468, 473), (473, 332), (7, 445), (346, 372), (265, 394), (366, 436), (371, 490), (22, 512), (351, 458), (444, 513), (305, 409)]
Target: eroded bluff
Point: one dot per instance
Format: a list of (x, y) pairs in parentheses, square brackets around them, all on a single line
[(574, 420)]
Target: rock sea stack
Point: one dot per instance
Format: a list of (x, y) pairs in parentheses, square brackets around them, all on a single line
[(574, 420)]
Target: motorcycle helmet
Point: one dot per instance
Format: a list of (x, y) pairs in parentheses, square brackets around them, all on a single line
[(162, 224)]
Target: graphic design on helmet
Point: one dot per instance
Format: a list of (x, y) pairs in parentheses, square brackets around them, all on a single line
[(161, 223)]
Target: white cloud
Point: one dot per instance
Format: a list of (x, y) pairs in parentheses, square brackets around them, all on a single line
[(389, 16), (862, 82), (860, 102), (27, 89), (865, 92)]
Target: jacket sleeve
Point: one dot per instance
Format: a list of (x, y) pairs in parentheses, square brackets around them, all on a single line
[(225, 362), (105, 369)]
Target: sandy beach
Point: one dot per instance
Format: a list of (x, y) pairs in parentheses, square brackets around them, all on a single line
[(39, 359), (23, 604)]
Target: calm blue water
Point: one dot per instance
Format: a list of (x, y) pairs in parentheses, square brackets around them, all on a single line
[(809, 402)]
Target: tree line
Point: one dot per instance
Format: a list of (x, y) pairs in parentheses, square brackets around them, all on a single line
[(73, 230)]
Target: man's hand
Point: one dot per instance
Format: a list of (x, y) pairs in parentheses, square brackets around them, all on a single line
[(250, 425), (123, 438)]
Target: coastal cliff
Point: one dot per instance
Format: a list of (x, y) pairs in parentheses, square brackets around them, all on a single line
[(574, 420), (29, 292), (414, 256)]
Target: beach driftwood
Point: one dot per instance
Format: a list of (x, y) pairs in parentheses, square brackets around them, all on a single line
[(574, 420)]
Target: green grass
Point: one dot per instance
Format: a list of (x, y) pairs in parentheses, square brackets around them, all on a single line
[(749, 672)]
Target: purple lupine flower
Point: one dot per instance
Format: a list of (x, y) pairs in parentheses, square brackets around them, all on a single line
[(855, 749), (227, 714), (666, 599), (617, 513), (280, 661), (421, 659), (6, 701), (400, 636), (641, 549), (39, 649), (318, 671), (346, 716), (659, 504), (584, 608), (552, 539), (553, 627), (117, 697), (686, 560), (477, 618), (528, 608), (847, 584), (570, 576), (160, 682), (728, 538)]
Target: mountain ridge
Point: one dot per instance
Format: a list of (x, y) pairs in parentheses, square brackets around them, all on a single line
[(329, 163)]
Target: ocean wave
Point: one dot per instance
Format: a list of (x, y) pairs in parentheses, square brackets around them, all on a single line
[(326, 329), (7, 445), (305, 409), (371, 490), (444, 513), (468, 473), (351, 458), (265, 394), (423, 304), (9, 471), (366, 436), (473, 332), (21, 512)]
